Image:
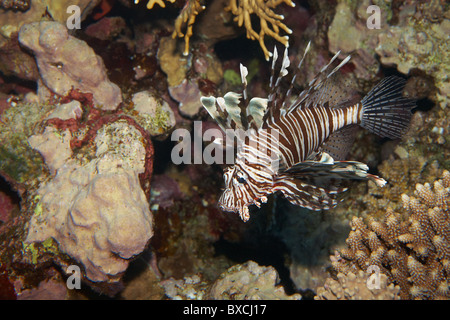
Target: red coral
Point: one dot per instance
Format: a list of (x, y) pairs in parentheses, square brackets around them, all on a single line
[(94, 119), (7, 291), (86, 99), (103, 8)]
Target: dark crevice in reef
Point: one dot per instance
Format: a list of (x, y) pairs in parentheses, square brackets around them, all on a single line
[(248, 49), (7, 189), (261, 244)]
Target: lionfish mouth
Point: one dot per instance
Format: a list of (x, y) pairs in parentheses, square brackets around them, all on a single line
[(242, 208)]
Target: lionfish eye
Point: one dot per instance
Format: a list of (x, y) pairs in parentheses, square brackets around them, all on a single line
[(241, 180), (241, 177)]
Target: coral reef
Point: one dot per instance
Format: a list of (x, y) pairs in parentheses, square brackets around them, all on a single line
[(270, 23), (155, 117), (420, 41), (19, 162), (51, 289), (96, 209), (13, 20), (411, 249), (185, 19), (354, 287), (249, 281), (58, 57), (188, 95), (21, 5), (348, 32), (86, 116), (190, 288), (413, 36), (172, 63)]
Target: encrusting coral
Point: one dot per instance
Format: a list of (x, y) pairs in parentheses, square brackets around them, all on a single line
[(354, 287), (270, 22), (412, 249), (58, 57), (95, 209), (250, 281), (411, 35), (21, 5)]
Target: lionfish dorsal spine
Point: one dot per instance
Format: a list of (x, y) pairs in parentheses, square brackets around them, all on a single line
[(294, 78), (274, 85), (244, 73), (316, 90)]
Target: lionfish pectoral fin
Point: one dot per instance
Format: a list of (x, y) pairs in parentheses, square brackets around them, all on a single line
[(386, 112), (225, 110), (327, 168), (209, 103), (256, 110), (307, 195)]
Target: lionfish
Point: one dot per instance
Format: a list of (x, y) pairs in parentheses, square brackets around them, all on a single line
[(305, 159)]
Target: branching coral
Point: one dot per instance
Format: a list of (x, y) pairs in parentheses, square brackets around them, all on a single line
[(413, 249), (161, 3), (186, 18), (270, 22)]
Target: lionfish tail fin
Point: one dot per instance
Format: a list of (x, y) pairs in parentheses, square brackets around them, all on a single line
[(386, 112)]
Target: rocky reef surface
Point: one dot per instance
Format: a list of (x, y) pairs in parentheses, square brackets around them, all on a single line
[(86, 173)]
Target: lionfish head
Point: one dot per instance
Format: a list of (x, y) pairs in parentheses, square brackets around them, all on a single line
[(241, 191)]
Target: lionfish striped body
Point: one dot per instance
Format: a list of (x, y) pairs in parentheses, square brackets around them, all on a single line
[(298, 146)]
